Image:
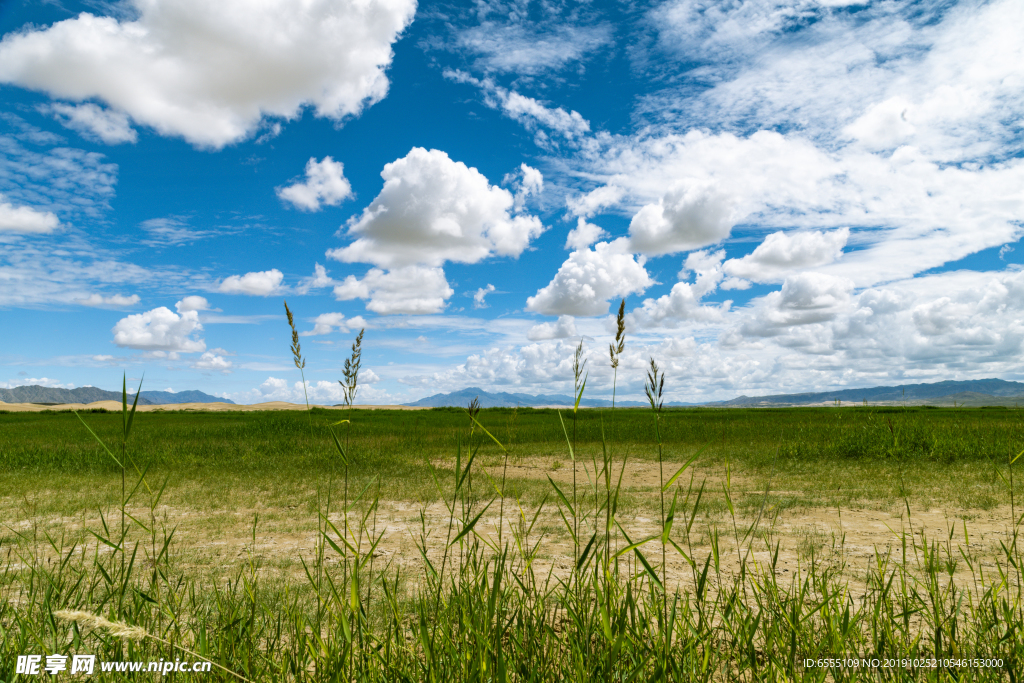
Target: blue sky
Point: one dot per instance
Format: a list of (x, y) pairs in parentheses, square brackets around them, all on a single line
[(790, 196)]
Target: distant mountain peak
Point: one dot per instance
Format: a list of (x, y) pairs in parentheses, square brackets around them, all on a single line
[(90, 394), (945, 389)]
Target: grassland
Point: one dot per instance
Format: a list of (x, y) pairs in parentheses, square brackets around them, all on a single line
[(526, 545)]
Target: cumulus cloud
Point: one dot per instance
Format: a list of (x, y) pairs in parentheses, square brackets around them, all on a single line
[(325, 322), (318, 280), (321, 392), (480, 294), (160, 330), (412, 290), (325, 184), (544, 366), (211, 71), (683, 302), (262, 283), (686, 217), (805, 299), (432, 210), (93, 122), (583, 235), (589, 278), (564, 327), (530, 181), (117, 300), (192, 303), (586, 205), (212, 361), (782, 253), (25, 219)]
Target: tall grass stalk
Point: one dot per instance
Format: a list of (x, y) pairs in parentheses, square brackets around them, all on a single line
[(127, 420), (320, 550), (655, 389), (350, 387)]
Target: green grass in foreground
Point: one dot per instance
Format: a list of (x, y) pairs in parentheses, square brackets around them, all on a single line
[(476, 608)]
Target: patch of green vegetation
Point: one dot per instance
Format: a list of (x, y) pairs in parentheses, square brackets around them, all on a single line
[(479, 605)]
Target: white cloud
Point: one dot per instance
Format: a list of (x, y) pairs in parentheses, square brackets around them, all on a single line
[(915, 213), (686, 217), (38, 272), (563, 328), (805, 299), (589, 278), (25, 219), (212, 361), (944, 69), (588, 204), (583, 235), (262, 283), (432, 210), (29, 132), (192, 303), (160, 330), (105, 125), (36, 381), (321, 392), (65, 181), (530, 181), (682, 303), (782, 253), (210, 72), (318, 280), (412, 290), (543, 367), (325, 184), (478, 297), (172, 231), (883, 126), (325, 322), (515, 46), (529, 112), (117, 300)]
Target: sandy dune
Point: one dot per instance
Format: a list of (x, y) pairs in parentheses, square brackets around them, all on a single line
[(219, 407)]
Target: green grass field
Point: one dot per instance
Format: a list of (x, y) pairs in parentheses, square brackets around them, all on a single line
[(528, 545)]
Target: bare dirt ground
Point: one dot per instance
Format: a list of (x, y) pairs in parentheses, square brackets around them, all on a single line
[(219, 540)]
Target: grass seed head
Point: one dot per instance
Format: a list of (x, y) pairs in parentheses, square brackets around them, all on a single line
[(351, 372), (579, 364), (95, 621), (616, 349), (654, 387), (300, 362)]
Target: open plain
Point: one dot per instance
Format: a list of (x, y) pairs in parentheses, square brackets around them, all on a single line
[(826, 509)]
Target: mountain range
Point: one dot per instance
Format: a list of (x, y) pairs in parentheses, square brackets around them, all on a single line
[(972, 392), (507, 400), (54, 396)]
